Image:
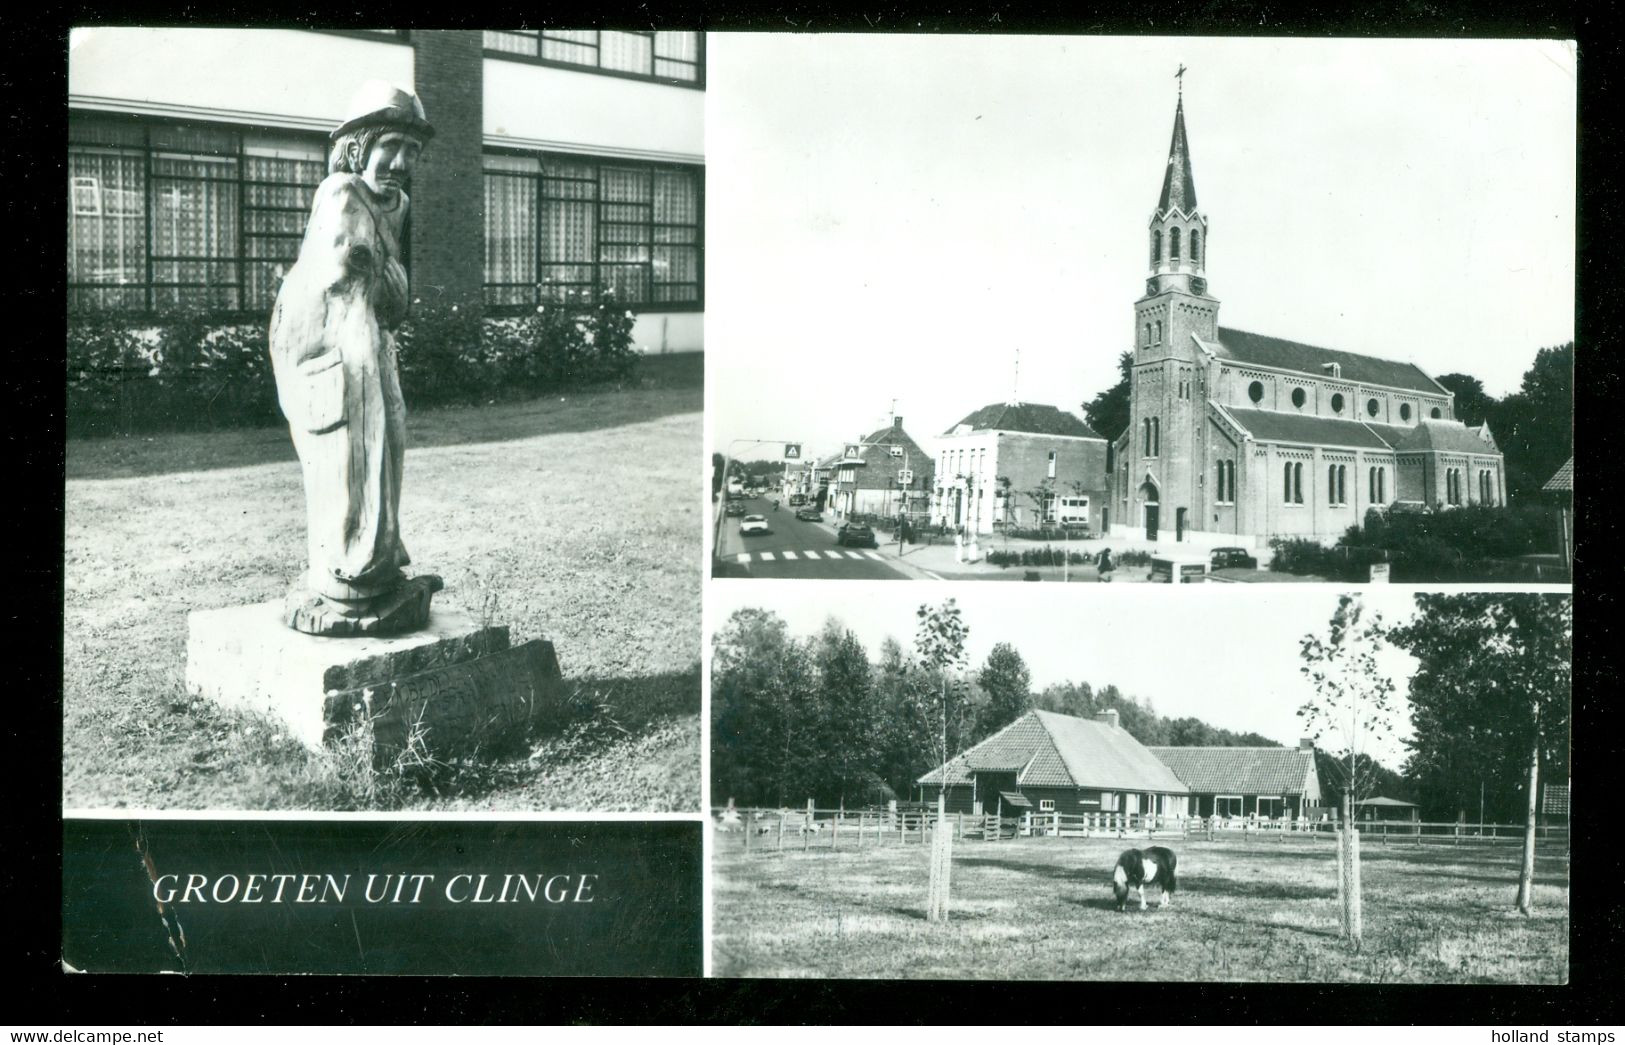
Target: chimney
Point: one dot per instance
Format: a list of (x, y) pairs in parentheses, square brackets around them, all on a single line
[(897, 422), (1109, 716), (1306, 744)]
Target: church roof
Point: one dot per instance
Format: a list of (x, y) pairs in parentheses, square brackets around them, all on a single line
[(1563, 479), (1448, 436), (1178, 186), (1282, 354), (1242, 770), (1034, 418), (1046, 749), (1272, 426)]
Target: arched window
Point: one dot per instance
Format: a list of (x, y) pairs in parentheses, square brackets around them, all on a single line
[(1156, 437), (1299, 398), (1255, 391), (1297, 483), (1231, 469), (1382, 486), (1435, 414), (1337, 402), (1372, 406), (1286, 489), (1173, 244), (1331, 484), (1145, 437), (1196, 247), (1148, 335), (1156, 248), (1404, 411), (1218, 485), (1342, 484), (1159, 331)]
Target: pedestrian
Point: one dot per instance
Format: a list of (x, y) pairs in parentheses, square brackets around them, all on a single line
[(1105, 565)]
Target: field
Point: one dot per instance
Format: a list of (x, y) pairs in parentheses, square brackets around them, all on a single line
[(573, 518), (1043, 909)]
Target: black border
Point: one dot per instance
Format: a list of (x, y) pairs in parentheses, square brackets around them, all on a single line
[(44, 996)]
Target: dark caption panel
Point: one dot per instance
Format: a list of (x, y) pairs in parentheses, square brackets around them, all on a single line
[(382, 897)]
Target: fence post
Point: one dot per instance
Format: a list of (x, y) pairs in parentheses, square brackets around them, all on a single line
[(1355, 918), (781, 832), (835, 832), (750, 828)]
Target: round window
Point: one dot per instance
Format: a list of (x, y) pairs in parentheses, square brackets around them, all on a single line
[(1337, 402), (1372, 406), (1436, 414), (1255, 391), (1298, 397), (1404, 411)]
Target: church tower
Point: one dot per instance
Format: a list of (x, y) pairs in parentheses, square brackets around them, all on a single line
[(1169, 378)]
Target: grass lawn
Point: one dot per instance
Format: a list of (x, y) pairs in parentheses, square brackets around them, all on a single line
[(571, 518), (1043, 909)]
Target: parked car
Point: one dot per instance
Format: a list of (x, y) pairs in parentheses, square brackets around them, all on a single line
[(735, 508), (809, 515), (856, 533), (1231, 558), (797, 500), (753, 524)]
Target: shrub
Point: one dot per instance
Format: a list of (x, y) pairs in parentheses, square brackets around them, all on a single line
[(1045, 556)]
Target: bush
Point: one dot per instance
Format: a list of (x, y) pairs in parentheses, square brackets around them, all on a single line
[(1045, 556), (1457, 544)]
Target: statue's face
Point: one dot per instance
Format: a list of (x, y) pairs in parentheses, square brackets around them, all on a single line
[(389, 164)]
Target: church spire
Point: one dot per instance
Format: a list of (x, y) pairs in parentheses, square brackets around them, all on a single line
[(1178, 187)]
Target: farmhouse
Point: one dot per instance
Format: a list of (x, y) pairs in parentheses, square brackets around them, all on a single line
[(1246, 781), (1044, 761)]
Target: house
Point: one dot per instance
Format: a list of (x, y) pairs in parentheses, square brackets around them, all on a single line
[(1249, 437), (563, 161), (1020, 464), (885, 457), (1246, 781), (1560, 488), (1385, 809), (1045, 762)]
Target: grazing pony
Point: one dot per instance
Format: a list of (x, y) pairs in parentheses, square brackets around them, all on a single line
[(1138, 868)]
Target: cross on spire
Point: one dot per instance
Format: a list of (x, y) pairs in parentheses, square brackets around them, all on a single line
[(1180, 76)]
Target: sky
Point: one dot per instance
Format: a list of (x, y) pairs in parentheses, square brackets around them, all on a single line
[(1226, 654), (897, 218)]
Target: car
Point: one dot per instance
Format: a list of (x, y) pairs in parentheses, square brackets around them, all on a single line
[(735, 508), (797, 500), (751, 524), (1233, 558), (809, 515), (856, 533)]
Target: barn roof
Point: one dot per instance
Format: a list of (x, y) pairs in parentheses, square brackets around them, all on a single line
[(1281, 354), (1563, 480), (1045, 749), (1243, 770)]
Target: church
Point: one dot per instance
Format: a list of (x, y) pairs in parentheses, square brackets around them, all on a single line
[(1241, 437)]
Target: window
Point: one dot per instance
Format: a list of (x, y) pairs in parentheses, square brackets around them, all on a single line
[(1255, 391), (1196, 247), (1435, 414), (1404, 411), (1331, 484), (1382, 486), (1372, 407), (1225, 489), (560, 227), (1156, 248), (1297, 483), (1046, 805), (1227, 805), (672, 57), (1173, 244), (1159, 331), (1299, 398), (1230, 490), (167, 215), (1145, 437), (1156, 437), (1337, 402), (1286, 487), (1148, 335), (1052, 464), (1269, 807)]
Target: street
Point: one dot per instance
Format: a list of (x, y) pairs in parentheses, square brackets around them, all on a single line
[(795, 549)]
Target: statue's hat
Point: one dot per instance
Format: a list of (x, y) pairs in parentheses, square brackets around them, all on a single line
[(381, 104)]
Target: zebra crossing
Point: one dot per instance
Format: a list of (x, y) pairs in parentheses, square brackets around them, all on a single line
[(791, 556)]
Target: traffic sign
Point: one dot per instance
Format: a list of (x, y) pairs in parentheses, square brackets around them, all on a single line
[(853, 452), (905, 476), (792, 451)]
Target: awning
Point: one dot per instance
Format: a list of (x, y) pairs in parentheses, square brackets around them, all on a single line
[(1018, 801)]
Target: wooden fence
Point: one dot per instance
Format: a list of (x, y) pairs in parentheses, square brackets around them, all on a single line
[(775, 830)]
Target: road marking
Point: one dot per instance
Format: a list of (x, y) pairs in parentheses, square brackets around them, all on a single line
[(743, 557), (810, 554), (788, 555), (854, 555), (873, 555), (765, 556)]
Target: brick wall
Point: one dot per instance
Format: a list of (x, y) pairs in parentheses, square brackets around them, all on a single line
[(448, 193)]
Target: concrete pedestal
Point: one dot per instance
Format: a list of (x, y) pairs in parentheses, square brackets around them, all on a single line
[(450, 689)]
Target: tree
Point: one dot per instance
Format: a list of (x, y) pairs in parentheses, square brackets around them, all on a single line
[(1473, 404), (764, 707), (939, 642), (1108, 413), (1535, 425), (846, 736), (1492, 688), (1008, 684), (1041, 495), (718, 463), (1354, 699)]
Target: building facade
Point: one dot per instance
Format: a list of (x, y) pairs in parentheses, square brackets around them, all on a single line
[(872, 478), (1253, 437), (564, 162), (1019, 464), (1247, 782)]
